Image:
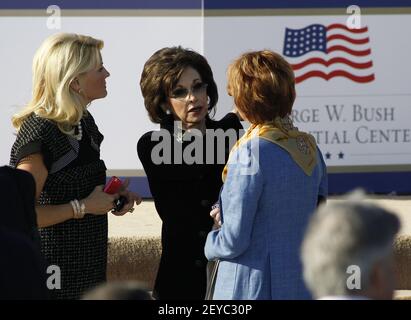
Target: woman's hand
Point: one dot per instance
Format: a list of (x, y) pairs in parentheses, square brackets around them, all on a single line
[(132, 198), (99, 202), (215, 214)]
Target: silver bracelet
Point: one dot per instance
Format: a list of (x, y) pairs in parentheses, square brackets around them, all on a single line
[(78, 210), (74, 207), (82, 209)]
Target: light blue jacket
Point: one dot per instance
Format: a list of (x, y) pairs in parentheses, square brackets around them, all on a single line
[(265, 205)]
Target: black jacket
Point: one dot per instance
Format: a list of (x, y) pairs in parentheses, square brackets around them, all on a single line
[(22, 266), (183, 195)]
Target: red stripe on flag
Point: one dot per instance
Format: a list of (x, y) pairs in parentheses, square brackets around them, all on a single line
[(348, 39), (357, 53), (344, 27), (333, 74), (327, 63)]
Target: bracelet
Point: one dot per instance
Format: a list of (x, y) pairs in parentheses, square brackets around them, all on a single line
[(79, 210), (74, 207), (82, 209)]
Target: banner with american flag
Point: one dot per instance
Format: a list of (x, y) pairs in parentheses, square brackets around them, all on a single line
[(329, 51)]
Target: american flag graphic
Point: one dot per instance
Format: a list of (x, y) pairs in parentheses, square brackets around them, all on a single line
[(328, 52)]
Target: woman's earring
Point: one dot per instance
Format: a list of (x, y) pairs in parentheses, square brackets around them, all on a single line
[(80, 91), (208, 100), (165, 108)]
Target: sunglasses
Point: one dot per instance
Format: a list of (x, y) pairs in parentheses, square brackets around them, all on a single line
[(182, 93)]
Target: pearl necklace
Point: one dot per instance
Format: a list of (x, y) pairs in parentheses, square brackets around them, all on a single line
[(79, 135)]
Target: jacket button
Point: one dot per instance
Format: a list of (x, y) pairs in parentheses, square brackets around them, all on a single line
[(206, 203)]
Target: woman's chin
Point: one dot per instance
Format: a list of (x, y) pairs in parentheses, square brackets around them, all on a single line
[(195, 121), (196, 117), (100, 96)]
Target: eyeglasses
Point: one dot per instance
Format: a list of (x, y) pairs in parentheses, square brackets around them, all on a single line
[(182, 93)]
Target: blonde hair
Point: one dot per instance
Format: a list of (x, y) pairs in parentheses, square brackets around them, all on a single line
[(59, 60)]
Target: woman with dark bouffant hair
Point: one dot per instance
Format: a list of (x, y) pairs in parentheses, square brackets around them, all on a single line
[(185, 175), (273, 181)]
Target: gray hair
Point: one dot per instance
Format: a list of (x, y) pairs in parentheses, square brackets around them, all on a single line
[(118, 290), (343, 234)]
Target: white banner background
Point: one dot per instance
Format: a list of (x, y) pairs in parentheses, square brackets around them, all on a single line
[(386, 100), (129, 41)]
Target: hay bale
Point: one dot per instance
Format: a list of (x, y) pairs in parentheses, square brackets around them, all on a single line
[(137, 258), (402, 295), (403, 262), (133, 258)]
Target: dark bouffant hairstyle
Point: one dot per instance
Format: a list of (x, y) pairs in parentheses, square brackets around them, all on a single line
[(161, 73)]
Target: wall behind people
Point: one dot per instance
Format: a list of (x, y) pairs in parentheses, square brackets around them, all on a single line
[(338, 70), (130, 38), (358, 116)]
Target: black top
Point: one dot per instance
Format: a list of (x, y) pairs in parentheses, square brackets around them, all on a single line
[(78, 247), (183, 195), (86, 152), (17, 194), (22, 268)]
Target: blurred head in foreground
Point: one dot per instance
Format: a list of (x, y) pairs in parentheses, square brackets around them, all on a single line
[(129, 290), (348, 250)]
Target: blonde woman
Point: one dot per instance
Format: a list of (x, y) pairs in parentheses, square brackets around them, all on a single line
[(58, 142)]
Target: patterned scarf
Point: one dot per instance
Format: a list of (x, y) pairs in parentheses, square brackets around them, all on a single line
[(300, 145)]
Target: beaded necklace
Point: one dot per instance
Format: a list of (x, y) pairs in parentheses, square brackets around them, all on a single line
[(79, 135)]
